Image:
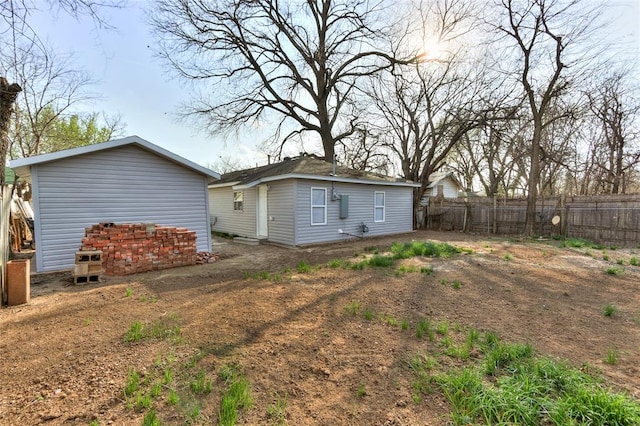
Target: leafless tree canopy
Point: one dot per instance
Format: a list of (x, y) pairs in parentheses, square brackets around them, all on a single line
[(296, 63)]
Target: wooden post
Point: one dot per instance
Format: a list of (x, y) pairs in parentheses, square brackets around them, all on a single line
[(495, 214)]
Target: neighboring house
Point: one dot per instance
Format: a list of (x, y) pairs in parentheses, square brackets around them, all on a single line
[(443, 185), (306, 200), (126, 180)]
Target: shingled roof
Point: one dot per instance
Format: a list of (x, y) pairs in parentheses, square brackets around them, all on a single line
[(306, 165)]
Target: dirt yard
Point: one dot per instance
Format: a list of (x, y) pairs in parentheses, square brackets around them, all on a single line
[(64, 361)]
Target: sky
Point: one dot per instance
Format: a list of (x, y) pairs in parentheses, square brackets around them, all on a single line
[(133, 83)]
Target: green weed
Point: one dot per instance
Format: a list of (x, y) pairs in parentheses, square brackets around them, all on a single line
[(424, 326), (132, 383), (200, 384), (235, 397), (128, 292), (425, 249), (277, 411), (362, 391), (303, 267), (336, 263), (368, 314), (378, 261), (404, 325), (612, 356), (634, 261), (456, 284), (442, 328), (151, 419), (620, 261), (426, 270), (134, 333), (173, 398), (612, 270), (609, 310), (353, 308), (508, 256)]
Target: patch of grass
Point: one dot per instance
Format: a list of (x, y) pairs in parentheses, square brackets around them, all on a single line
[(132, 383), (508, 256), (442, 328), (165, 327), (358, 266), (151, 419), (361, 391), (612, 356), (143, 401), (200, 384), (580, 243), (128, 292), (172, 397), (335, 263), (368, 314), (499, 355), (612, 270), (426, 270), (277, 411), (235, 397), (134, 334), (456, 284), (443, 281), (534, 391), (425, 249), (424, 326), (634, 261), (605, 257), (303, 267), (378, 261), (620, 261), (404, 325), (353, 308), (389, 320), (609, 310)]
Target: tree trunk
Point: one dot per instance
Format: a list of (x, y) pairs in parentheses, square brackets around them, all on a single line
[(532, 182), (8, 95)]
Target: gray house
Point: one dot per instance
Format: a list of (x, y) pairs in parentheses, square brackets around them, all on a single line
[(126, 180), (306, 200)]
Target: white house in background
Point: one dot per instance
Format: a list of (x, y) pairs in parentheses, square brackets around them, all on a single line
[(306, 200), (126, 180), (441, 184)]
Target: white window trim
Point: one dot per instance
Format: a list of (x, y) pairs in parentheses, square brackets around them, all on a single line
[(319, 205), (383, 206), (234, 201)]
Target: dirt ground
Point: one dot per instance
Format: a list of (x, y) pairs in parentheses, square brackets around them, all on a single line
[(63, 358)]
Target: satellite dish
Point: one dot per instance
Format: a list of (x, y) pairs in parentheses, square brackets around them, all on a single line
[(555, 220)]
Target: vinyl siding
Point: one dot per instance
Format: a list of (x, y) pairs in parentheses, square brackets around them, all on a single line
[(398, 211), (235, 222), (281, 212), (121, 185)]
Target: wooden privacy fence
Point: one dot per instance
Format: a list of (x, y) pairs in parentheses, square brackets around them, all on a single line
[(610, 220)]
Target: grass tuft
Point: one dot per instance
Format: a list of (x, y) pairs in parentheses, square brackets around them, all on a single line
[(609, 310)]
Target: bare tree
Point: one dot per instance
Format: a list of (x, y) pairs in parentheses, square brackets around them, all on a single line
[(297, 63), (615, 106), (544, 36), (50, 88)]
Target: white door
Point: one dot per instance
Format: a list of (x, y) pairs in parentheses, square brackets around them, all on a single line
[(263, 216)]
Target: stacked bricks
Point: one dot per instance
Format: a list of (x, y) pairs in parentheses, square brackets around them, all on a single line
[(134, 248), (88, 266)]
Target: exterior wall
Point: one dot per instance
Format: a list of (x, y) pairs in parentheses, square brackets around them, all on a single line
[(450, 190), (281, 209), (235, 222), (120, 185), (398, 211)]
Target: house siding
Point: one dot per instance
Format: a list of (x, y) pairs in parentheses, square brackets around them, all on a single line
[(224, 219), (281, 209), (121, 185), (398, 211)]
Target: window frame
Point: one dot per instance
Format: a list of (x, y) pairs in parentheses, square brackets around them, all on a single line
[(377, 207), (316, 206), (238, 205)]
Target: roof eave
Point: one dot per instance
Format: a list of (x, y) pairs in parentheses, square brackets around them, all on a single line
[(24, 164), (324, 178)]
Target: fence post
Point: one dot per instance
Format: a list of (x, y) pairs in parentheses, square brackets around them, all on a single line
[(495, 214)]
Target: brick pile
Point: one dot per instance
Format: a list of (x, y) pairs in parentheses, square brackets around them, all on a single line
[(133, 248), (203, 257)]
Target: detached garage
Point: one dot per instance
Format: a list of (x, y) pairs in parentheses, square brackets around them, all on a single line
[(127, 180)]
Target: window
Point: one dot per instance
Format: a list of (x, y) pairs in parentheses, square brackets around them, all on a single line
[(378, 207), (318, 206), (238, 201)]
